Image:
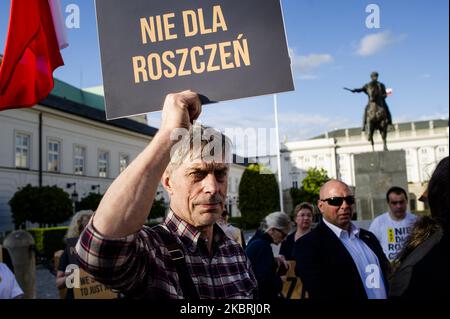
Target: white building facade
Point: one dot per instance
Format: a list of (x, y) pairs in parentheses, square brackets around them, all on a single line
[(234, 179), (425, 144), (80, 151)]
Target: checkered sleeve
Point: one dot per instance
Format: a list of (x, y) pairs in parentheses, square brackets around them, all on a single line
[(254, 286), (121, 264)]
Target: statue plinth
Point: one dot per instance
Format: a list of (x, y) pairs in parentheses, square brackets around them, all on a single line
[(375, 173)]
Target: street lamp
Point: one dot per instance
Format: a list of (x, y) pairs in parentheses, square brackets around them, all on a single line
[(74, 194), (93, 187)]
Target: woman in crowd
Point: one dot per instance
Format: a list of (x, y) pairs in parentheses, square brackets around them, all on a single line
[(78, 223), (303, 219), (422, 266), (268, 269)]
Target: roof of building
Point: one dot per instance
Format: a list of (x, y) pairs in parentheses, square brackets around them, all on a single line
[(67, 98), (403, 127), (85, 97)]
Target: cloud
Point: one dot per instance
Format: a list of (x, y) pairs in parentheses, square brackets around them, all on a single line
[(435, 116), (438, 115), (374, 43), (302, 126), (303, 65), (312, 61), (294, 126), (425, 76), (308, 77)]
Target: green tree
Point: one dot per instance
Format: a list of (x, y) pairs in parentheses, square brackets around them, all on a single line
[(91, 202), (311, 184), (21, 205), (158, 209), (314, 180), (48, 205), (258, 194)]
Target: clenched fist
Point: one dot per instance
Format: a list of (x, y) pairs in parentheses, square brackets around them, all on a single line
[(180, 110)]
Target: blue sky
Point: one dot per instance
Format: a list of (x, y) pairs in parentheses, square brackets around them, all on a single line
[(331, 47)]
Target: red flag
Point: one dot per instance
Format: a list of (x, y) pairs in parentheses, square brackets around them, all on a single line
[(31, 55)]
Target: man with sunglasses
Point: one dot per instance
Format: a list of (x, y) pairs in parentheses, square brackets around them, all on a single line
[(338, 260)]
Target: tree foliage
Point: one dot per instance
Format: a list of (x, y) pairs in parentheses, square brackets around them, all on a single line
[(314, 180), (91, 202), (48, 205), (311, 184), (258, 194), (158, 209)]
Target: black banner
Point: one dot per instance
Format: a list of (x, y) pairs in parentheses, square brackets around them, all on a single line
[(222, 49)]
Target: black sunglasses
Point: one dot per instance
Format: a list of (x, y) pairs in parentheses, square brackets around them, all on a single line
[(337, 201)]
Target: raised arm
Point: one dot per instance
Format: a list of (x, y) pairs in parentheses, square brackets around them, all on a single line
[(125, 206), (363, 89), (383, 91)]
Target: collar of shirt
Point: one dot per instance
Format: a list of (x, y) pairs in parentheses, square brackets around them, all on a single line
[(189, 234), (407, 216), (341, 233)]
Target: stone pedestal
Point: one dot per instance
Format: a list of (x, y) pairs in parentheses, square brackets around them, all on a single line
[(287, 202), (20, 245), (375, 173)]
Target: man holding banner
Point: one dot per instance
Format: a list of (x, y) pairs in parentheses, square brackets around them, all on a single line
[(188, 256)]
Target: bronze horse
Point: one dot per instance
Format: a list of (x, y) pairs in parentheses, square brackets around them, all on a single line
[(376, 118), (376, 114)]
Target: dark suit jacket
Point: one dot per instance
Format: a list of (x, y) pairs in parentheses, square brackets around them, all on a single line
[(327, 269), (260, 254)]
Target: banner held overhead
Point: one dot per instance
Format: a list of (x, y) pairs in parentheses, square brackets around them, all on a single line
[(223, 49)]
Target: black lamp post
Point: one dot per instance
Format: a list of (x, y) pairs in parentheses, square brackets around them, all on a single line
[(74, 195), (93, 187)]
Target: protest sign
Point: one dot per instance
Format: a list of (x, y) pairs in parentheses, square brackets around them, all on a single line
[(222, 49), (91, 289), (292, 285)]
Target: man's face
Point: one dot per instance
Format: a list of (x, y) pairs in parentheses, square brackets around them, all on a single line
[(304, 218), (198, 192), (339, 216), (398, 205)]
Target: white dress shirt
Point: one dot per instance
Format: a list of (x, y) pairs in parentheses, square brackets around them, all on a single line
[(9, 288), (365, 260)]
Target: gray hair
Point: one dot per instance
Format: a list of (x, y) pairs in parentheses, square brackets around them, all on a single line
[(199, 143), (276, 220), (77, 225)]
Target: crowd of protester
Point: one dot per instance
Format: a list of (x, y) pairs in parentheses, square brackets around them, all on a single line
[(196, 254)]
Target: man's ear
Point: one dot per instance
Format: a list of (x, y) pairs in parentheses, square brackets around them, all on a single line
[(320, 205), (167, 182)]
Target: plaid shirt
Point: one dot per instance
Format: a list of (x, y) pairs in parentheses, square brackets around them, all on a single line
[(140, 266)]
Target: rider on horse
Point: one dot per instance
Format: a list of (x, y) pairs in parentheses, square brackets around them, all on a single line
[(377, 93)]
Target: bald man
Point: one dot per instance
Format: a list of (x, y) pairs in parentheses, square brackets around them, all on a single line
[(338, 260)]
